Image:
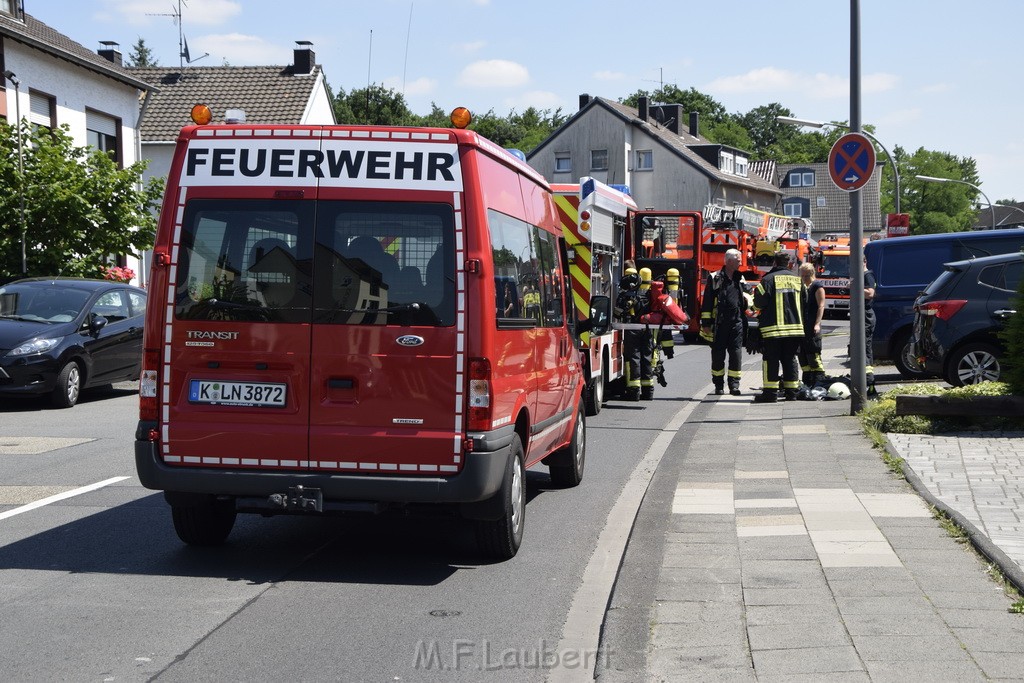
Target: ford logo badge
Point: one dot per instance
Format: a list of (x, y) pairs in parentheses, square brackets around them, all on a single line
[(409, 340)]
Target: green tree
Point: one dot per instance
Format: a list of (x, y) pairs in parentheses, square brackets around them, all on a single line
[(764, 129), (938, 207), (141, 55), (710, 110), (374, 105), (80, 209)]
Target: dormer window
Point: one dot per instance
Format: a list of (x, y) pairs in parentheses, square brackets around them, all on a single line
[(726, 162), (741, 166), (12, 8)]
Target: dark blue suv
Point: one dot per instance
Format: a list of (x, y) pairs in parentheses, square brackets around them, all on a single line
[(904, 266), (958, 318)]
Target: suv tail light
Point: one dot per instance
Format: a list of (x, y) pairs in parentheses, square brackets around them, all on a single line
[(149, 385), (479, 394), (943, 310)]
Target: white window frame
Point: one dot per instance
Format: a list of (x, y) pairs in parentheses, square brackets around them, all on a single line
[(742, 166), (726, 162), (563, 157), (795, 179), (792, 209), (808, 178), (644, 160)]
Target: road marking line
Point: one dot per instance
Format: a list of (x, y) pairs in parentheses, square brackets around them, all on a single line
[(60, 496)]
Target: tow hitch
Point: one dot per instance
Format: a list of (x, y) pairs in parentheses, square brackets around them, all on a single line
[(298, 498)]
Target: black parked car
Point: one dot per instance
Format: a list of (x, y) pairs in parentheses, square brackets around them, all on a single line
[(958, 317), (61, 335)]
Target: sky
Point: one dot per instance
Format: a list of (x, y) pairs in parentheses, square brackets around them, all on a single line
[(940, 74)]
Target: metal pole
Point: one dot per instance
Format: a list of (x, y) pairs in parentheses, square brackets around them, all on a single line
[(858, 361), (9, 75)]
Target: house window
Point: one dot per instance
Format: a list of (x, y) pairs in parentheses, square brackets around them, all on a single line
[(821, 202), (563, 164), (41, 110), (801, 179), (808, 178), (644, 160), (793, 209), (725, 162), (598, 160), (741, 166), (101, 132)]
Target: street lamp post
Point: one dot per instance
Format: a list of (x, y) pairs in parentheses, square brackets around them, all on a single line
[(793, 121), (9, 75), (932, 179)]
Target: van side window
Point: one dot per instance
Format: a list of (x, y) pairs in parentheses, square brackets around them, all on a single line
[(528, 283), (245, 260), (384, 263)]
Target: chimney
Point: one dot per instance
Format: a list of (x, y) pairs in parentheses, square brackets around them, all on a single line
[(110, 52), (584, 100), (674, 118), (304, 58), (694, 123), (643, 109)]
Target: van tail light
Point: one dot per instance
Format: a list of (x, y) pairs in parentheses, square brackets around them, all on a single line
[(479, 395), (149, 385), (943, 310)]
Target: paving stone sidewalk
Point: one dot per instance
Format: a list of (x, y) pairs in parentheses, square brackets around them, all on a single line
[(793, 553)]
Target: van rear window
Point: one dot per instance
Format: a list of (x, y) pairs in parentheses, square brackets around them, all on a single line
[(330, 262)]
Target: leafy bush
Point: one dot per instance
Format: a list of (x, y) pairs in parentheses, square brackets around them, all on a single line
[(881, 415), (1013, 336)]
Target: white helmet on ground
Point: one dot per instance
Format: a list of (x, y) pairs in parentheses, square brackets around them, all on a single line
[(838, 390)]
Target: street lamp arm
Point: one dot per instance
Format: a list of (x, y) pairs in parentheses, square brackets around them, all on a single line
[(933, 179)]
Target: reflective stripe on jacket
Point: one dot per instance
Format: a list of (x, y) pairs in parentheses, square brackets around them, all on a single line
[(778, 299)]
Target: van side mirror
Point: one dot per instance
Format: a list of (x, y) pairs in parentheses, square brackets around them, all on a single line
[(600, 314)]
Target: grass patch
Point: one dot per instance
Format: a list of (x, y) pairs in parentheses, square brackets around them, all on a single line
[(879, 417)]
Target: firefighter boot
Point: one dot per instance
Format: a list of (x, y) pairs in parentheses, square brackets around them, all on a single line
[(791, 394), (719, 389), (633, 394), (734, 387), (767, 396), (647, 394)]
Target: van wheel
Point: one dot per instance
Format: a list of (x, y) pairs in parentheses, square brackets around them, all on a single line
[(206, 524), (973, 363), (595, 394), (903, 357), (500, 538), (69, 386), (575, 457)]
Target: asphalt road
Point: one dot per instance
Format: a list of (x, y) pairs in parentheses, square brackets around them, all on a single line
[(95, 585)]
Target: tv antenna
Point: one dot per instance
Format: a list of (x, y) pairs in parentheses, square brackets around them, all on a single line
[(183, 54)]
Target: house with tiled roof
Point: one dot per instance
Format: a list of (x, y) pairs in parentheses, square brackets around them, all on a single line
[(666, 164), (808, 192), (293, 94), (51, 80)]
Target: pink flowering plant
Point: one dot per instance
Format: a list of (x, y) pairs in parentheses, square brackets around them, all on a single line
[(118, 274)]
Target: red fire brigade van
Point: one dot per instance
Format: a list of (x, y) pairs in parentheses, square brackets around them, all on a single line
[(338, 322)]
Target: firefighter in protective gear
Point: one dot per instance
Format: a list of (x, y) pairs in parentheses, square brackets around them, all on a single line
[(813, 301), (638, 344), (665, 340), (723, 321), (657, 366), (778, 298)]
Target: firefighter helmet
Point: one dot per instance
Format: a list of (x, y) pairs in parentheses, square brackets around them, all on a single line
[(838, 391)]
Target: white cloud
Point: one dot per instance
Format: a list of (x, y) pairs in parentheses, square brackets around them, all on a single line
[(540, 99), (609, 75), (494, 73), (469, 48), (145, 12), (240, 50), (419, 86), (936, 89), (781, 81)]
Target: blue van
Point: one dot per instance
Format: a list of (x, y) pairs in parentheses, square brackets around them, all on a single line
[(904, 266)]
